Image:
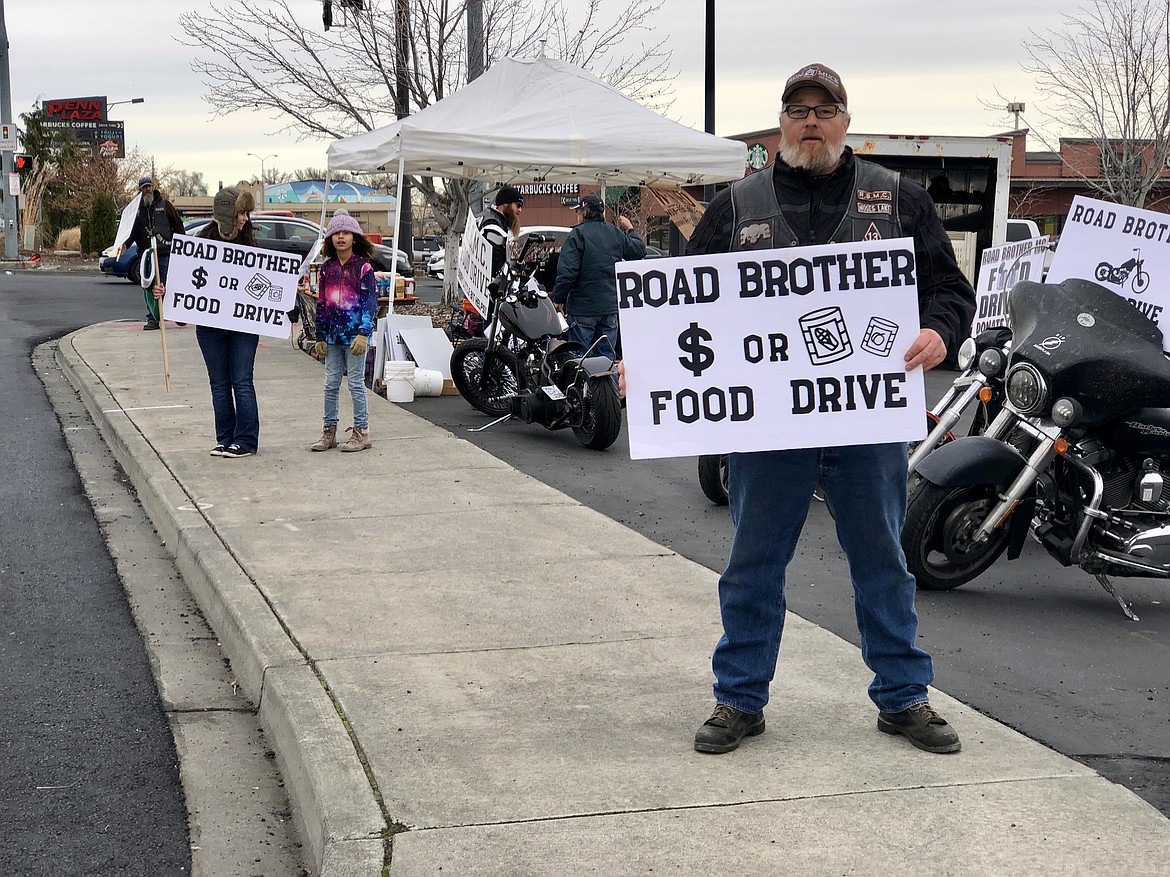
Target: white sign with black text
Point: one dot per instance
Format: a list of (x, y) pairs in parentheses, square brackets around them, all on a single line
[(245, 289), (771, 349), (475, 265), (1125, 249), (1000, 269)]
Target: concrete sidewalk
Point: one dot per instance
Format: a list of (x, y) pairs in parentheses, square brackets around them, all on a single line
[(464, 671)]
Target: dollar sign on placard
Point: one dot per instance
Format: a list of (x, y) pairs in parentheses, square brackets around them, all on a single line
[(199, 277), (701, 356)]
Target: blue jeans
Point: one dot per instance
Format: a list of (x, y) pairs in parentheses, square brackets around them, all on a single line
[(338, 359), (770, 492), (230, 358), (586, 330)]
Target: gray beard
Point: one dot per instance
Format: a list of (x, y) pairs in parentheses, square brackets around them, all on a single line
[(819, 162), (148, 198)]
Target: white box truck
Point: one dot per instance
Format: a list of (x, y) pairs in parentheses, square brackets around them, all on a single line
[(968, 178)]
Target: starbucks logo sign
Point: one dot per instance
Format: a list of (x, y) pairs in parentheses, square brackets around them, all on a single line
[(757, 156)]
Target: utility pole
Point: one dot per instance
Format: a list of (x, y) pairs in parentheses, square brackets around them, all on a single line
[(402, 110), (475, 55), (8, 213), (709, 85)]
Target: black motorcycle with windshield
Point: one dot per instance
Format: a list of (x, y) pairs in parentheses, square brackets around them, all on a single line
[(1077, 457), (524, 368)]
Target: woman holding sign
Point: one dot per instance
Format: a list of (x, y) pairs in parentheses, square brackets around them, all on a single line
[(230, 356)]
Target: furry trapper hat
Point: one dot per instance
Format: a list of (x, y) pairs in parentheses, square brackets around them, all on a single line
[(229, 201)]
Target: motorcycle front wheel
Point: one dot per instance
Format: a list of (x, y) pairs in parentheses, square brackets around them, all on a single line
[(938, 541), (713, 477), (601, 421), (503, 379)]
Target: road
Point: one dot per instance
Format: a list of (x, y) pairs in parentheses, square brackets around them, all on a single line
[(89, 780), (1038, 647)]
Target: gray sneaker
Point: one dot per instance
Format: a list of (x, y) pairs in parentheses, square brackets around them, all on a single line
[(923, 727), (726, 728)]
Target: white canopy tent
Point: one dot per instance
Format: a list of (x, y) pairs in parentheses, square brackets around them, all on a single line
[(540, 120)]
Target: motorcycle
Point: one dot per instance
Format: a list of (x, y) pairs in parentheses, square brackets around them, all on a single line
[(1075, 458), (982, 363), (1107, 273), (524, 368)]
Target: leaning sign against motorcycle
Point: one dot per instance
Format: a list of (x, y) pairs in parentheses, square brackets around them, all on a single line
[(225, 285), (1122, 248), (771, 349), (1001, 268)]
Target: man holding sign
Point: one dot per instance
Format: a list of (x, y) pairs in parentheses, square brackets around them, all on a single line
[(818, 193)]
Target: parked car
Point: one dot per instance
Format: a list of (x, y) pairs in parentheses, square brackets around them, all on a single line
[(424, 245), (292, 235), (128, 265), (437, 263)]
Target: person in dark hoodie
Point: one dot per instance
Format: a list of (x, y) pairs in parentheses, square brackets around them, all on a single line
[(586, 286)]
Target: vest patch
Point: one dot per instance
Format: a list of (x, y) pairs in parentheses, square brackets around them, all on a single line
[(751, 234), (878, 195), (862, 207), (872, 233)]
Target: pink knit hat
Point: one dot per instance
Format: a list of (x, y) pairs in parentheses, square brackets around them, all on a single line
[(342, 222)]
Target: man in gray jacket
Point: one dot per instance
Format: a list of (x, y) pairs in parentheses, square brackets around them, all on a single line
[(586, 286)]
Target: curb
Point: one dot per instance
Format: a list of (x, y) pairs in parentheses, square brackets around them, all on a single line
[(339, 816)]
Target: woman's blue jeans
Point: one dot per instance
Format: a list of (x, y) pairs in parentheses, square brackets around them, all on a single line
[(230, 358), (338, 359), (770, 493)]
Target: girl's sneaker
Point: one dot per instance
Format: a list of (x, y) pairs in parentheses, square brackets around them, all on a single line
[(218, 450), (234, 450)]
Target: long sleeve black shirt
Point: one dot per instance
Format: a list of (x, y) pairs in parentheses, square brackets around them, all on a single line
[(946, 301)]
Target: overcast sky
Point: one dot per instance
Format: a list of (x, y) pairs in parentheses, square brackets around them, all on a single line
[(910, 66)]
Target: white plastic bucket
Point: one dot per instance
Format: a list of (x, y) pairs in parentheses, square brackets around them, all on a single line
[(427, 382), (398, 375)]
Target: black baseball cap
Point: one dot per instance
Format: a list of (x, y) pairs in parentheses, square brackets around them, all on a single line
[(592, 203)]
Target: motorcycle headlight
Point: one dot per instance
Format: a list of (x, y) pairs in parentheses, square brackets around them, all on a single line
[(966, 354), (1066, 412), (1026, 388), (991, 362)]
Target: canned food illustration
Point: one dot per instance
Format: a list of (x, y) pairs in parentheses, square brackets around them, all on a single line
[(879, 336), (826, 337)]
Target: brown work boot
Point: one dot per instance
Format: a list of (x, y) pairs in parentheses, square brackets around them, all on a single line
[(358, 440), (922, 726), (726, 727), (328, 439)]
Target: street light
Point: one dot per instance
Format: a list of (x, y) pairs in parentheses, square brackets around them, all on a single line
[(133, 100), (262, 160)]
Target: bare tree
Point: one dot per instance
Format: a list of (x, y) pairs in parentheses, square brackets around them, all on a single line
[(178, 183), (261, 57), (1106, 80)]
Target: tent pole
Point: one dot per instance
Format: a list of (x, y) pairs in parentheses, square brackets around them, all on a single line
[(325, 195), (397, 222)]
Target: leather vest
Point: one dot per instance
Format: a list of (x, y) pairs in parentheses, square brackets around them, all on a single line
[(159, 224), (758, 221)]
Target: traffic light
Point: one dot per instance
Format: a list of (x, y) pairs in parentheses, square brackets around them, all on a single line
[(22, 163)]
